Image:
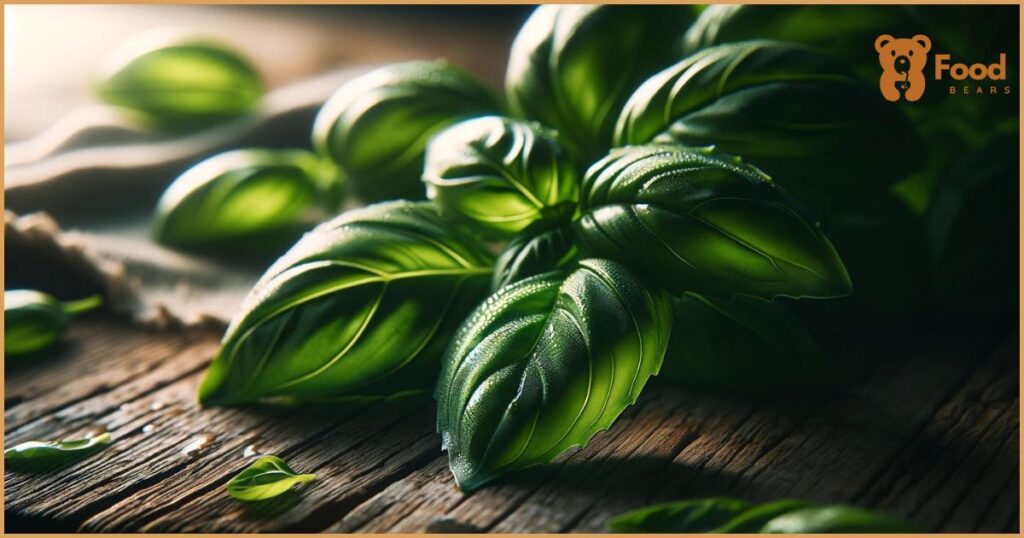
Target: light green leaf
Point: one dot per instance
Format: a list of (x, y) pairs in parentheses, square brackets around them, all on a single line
[(40, 456), (696, 220), (247, 199), (34, 320), (361, 307), (267, 477), (836, 519), (566, 71), (377, 126), (544, 364), (179, 81), (500, 175)]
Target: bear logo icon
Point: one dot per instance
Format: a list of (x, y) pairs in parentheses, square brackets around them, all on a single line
[(902, 62)]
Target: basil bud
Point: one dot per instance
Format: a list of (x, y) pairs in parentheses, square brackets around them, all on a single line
[(41, 456), (377, 126), (179, 81), (34, 320), (361, 307), (544, 364), (266, 478), (539, 249), (793, 112), (500, 175), (699, 221), (573, 67), (264, 198)]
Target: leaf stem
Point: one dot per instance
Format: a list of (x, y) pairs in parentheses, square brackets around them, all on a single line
[(83, 305)]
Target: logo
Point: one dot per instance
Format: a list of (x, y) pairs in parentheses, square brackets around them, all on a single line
[(902, 62)]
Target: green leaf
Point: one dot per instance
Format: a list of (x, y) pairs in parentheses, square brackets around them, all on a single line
[(743, 346), (251, 198), (837, 519), (377, 126), (40, 456), (361, 307), (538, 249), (725, 515), (500, 175), (565, 71), (34, 320), (544, 364), (695, 220), (796, 113), (690, 516), (267, 477), (847, 31), (179, 81)]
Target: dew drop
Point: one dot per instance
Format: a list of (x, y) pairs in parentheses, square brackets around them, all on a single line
[(197, 444), (250, 450), (156, 406), (93, 430), (147, 428)]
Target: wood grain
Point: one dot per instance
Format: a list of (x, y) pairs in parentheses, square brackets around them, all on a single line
[(930, 432)]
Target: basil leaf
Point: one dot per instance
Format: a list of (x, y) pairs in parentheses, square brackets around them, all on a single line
[(34, 320), (789, 110), (500, 175), (250, 198), (544, 364), (836, 519), (267, 477), (724, 515), (690, 516), (565, 71), (754, 518), (361, 307), (377, 126), (39, 456), (700, 221), (539, 249), (179, 81), (743, 346)]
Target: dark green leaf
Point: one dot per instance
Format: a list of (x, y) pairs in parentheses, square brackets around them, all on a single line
[(544, 364), (700, 221), (254, 197), (361, 307), (501, 175), (837, 519), (752, 519), (267, 477), (34, 320), (377, 126), (39, 456), (796, 113), (690, 516), (567, 71), (744, 346), (536, 250), (179, 81)]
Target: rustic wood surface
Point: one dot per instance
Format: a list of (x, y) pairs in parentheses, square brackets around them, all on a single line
[(930, 433)]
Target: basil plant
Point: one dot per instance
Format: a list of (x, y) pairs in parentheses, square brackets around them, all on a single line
[(634, 198)]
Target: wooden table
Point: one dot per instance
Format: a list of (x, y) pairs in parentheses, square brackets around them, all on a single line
[(931, 433)]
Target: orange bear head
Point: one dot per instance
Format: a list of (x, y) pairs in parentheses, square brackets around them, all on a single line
[(905, 55)]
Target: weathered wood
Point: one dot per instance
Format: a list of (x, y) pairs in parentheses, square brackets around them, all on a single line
[(930, 433)]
